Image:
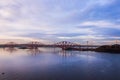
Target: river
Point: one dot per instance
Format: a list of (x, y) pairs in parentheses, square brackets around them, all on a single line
[(55, 64)]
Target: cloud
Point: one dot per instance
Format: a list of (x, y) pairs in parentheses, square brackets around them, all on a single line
[(101, 23), (7, 2), (57, 19), (105, 2)]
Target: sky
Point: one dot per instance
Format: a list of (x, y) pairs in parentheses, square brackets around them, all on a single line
[(57, 20)]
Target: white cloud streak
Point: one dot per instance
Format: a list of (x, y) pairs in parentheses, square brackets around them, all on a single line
[(21, 17), (101, 23)]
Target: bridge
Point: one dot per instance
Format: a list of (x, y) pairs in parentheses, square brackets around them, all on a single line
[(10, 45), (65, 45), (35, 45)]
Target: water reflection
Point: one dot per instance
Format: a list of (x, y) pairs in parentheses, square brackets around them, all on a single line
[(10, 50), (50, 64), (34, 52), (64, 53)]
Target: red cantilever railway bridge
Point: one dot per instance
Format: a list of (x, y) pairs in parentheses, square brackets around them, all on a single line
[(66, 44), (35, 45)]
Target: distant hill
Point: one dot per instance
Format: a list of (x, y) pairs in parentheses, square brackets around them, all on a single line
[(109, 48)]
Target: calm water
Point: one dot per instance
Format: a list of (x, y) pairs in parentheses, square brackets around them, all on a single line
[(55, 64)]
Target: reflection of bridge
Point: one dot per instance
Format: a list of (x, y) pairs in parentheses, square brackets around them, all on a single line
[(35, 45)]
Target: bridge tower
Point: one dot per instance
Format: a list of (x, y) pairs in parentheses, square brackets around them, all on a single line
[(34, 45), (11, 44), (65, 45)]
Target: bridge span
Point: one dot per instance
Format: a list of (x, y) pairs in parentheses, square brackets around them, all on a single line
[(34, 45)]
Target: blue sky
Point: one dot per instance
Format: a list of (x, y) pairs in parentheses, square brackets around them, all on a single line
[(56, 20)]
